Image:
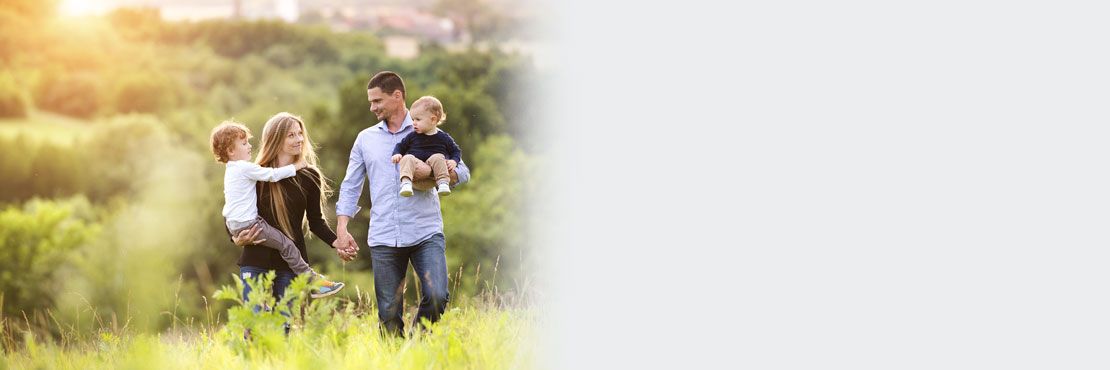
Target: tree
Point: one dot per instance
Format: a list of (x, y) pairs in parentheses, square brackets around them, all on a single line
[(145, 92), (74, 94)]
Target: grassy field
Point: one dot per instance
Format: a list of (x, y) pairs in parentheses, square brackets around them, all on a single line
[(478, 335), (464, 339), (56, 128)]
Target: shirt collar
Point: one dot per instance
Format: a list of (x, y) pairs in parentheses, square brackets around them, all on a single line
[(404, 124)]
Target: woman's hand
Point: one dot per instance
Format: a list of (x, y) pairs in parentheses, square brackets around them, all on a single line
[(246, 236), (451, 164), (396, 158), (345, 249)]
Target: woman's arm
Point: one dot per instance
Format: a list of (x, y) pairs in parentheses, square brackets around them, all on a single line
[(246, 237), (315, 215)]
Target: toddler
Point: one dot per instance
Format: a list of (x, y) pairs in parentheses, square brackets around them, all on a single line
[(428, 144)]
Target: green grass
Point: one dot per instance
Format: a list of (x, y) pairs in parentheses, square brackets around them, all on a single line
[(463, 339), (482, 334)]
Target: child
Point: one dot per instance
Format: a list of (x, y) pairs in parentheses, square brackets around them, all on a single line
[(427, 144), (230, 145)]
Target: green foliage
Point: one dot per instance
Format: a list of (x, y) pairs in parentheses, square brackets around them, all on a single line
[(482, 219), (463, 339), (13, 102), (236, 39), (74, 94), (144, 92), (16, 18), (33, 168), (471, 115), (115, 154), (35, 241), (136, 23)]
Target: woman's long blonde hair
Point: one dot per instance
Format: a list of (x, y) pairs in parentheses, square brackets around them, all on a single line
[(273, 138)]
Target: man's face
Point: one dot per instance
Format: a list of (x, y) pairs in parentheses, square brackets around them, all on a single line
[(384, 105)]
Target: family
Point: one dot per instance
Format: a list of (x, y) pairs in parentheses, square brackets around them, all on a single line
[(409, 164)]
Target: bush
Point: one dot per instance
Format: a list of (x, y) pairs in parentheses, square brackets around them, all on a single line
[(34, 242)]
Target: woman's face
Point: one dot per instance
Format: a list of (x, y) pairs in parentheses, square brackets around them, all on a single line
[(294, 141)]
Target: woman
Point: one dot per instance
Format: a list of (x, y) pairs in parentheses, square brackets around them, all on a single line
[(287, 204)]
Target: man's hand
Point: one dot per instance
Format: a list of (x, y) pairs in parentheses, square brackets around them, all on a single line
[(246, 236), (451, 164), (352, 250), (345, 245), (344, 251), (396, 158), (343, 238)]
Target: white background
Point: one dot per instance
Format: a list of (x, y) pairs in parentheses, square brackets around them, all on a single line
[(856, 185)]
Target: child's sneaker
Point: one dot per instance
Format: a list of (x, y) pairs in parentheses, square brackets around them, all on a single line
[(327, 287), (406, 189), (444, 190)]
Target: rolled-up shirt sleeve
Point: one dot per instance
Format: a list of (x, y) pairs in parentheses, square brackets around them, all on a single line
[(351, 187), (463, 172)]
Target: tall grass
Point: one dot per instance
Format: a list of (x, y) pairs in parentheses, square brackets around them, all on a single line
[(485, 331)]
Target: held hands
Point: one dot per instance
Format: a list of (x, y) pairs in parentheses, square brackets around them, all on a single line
[(451, 164), (344, 250), (396, 158), (345, 246)]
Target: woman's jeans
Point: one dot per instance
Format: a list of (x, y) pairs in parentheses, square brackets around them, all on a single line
[(281, 281)]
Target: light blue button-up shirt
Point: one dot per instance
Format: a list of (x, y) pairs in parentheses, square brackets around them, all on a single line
[(395, 221)]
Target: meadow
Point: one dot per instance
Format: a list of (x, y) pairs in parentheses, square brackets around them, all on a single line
[(113, 252), (486, 332)]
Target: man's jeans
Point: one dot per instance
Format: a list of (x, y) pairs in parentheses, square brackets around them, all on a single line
[(390, 264)]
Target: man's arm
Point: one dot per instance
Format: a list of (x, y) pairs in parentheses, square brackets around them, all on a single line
[(463, 174), (345, 245), (349, 192), (459, 175)]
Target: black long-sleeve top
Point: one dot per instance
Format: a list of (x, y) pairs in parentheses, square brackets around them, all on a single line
[(302, 199), (423, 146)]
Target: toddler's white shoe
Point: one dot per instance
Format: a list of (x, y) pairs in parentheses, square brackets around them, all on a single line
[(406, 189), (444, 190)]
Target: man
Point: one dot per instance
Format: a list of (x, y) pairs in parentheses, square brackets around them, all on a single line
[(402, 229)]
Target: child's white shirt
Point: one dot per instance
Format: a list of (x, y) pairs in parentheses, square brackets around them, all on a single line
[(240, 197)]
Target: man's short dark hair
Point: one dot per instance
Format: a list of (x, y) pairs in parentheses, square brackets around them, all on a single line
[(388, 82)]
